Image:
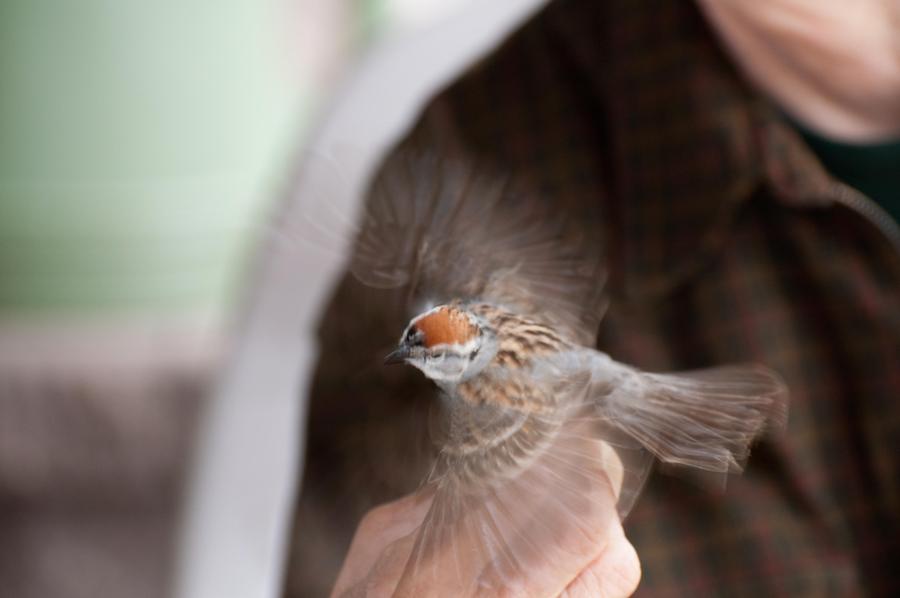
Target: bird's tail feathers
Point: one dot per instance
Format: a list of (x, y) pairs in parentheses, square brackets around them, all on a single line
[(705, 419)]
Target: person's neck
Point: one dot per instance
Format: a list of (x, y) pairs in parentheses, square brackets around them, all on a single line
[(832, 65)]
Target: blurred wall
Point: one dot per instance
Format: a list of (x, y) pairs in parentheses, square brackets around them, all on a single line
[(139, 142)]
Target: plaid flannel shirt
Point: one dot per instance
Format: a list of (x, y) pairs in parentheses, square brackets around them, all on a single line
[(726, 242)]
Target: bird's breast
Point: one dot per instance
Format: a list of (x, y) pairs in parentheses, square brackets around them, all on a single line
[(518, 391), (486, 445)]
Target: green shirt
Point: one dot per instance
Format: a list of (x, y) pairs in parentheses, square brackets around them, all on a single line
[(872, 168)]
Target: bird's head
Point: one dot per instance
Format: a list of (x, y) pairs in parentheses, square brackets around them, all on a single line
[(446, 343)]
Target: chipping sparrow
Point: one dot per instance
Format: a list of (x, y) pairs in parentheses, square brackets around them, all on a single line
[(513, 295)]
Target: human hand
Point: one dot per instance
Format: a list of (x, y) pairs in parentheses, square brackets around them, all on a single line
[(584, 553)]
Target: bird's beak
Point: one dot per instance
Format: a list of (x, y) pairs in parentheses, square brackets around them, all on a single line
[(399, 355)]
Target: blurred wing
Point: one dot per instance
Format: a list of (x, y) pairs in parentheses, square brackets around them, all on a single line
[(522, 536), (445, 230)]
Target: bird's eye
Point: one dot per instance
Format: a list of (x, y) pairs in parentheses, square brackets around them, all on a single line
[(413, 337)]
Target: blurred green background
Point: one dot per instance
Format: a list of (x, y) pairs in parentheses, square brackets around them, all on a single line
[(141, 143)]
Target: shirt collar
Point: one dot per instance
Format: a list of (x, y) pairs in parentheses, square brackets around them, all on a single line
[(692, 143)]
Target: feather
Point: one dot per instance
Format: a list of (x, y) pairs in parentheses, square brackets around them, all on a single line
[(445, 230), (706, 419), (526, 535)]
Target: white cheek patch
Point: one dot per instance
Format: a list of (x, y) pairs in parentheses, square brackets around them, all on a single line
[(450, 363), (468, 348)]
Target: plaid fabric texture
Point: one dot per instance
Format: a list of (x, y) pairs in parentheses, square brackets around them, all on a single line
[(726, 242)]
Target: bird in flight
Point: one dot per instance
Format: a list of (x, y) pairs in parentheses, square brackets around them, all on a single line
[(506, 295)]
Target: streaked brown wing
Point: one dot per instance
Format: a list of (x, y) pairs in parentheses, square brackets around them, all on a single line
[(446, 229)]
